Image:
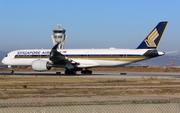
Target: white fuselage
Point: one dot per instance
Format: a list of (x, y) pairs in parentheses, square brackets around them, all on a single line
[(84, 57)]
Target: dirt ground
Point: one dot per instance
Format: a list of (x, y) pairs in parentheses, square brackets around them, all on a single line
[(23, 89), (89, 99)]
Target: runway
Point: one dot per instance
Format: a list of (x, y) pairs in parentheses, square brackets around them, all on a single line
[(99, 74)]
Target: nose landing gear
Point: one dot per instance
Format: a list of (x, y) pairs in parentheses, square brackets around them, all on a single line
[(10, 69)]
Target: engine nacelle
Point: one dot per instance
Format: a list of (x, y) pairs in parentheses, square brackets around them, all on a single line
[(40, 65)]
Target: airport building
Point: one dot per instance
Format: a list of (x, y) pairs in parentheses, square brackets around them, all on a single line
[(59, 36)]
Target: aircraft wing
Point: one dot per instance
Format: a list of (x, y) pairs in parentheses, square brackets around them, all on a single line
[(59, 59)]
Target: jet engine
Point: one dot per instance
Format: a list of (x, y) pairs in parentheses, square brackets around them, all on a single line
[(40, 65)]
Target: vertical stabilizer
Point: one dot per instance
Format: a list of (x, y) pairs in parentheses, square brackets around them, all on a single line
[(153, 39)]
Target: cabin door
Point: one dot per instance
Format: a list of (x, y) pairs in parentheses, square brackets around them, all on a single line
[(125, 55), (86, 55)]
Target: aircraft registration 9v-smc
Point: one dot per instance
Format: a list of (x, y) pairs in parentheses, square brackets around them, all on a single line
[(82, 59)]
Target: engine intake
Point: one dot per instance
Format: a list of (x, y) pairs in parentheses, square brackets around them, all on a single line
[(40, 65)]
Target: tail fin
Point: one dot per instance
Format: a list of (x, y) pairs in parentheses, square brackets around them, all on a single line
[(153, 39)]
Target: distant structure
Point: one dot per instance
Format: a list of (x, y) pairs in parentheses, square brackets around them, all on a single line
[(59, 36), (172, 64)]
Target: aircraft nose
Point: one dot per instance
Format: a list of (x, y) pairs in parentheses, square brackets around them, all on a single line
[(4, 60)]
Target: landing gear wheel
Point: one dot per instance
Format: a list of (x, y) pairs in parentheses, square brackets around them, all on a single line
[(58, 73), (11, 71), (70, 72), (86, 72)]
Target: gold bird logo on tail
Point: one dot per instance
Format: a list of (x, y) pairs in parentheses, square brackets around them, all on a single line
[(151, 38)]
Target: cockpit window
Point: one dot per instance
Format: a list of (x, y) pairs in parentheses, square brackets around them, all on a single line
[(6, 55)]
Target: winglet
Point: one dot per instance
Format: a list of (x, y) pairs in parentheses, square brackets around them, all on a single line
[(56, 46), (153, 39), (54, 51)]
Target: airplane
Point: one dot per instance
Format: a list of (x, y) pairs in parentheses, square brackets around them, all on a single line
[(74, 60)]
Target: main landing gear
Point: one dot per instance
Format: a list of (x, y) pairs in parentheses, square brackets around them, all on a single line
[(70, 71), (86, 72), (73, 71)]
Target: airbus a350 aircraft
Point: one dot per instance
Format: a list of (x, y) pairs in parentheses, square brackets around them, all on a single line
[(82, 59)]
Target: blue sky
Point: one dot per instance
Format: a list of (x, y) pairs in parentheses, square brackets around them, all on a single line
[(28, 24)]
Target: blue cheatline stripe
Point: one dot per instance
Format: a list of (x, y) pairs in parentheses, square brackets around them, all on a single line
[(82, 55)]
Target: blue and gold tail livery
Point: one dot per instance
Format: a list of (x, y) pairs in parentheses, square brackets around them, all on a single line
[(153, 39)]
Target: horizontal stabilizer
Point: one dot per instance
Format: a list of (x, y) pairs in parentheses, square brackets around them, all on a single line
[(151, 53)]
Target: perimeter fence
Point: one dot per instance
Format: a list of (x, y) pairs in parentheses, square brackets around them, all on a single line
[(132, 106)]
